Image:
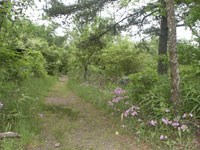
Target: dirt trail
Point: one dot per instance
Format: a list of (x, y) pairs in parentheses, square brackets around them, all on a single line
[(69, 123)]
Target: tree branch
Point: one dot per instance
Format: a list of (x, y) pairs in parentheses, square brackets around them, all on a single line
[(9, 135)]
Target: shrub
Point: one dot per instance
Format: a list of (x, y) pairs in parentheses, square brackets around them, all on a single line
[(142, 82), (190, 97), (35, 63)]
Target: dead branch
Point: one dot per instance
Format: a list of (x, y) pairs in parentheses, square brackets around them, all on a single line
[(9, 135)]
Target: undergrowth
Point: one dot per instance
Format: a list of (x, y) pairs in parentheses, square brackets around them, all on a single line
[(90, 93), (144, 107), (21, 107)]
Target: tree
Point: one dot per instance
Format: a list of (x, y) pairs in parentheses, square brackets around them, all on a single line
[(163, 37), (175, 79), (160, 10), (87, 46), (137, 16)]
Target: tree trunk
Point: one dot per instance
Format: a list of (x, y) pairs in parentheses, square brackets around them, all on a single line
[(162, 49), (85, 75), (172, 48)]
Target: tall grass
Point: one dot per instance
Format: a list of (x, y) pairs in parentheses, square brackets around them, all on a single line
[(154, 101), (90, 93), (22, 104)]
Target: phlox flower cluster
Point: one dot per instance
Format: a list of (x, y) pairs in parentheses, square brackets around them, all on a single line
[(183, 128), (119, 91), (166, 121), (118, 96), (163, 137), (132, 111), (153, 122), (118, 99), (177, 123)]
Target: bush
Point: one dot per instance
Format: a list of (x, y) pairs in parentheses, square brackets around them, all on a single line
[(190, 97), (142, 82), (188, 53), (53, 59), (18, 67), (35, 62)]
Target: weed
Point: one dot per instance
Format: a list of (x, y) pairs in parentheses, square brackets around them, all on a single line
[(21, 105)]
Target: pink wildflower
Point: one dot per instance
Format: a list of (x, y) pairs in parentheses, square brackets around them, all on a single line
[(134, 113), (117, 99), (126, 113), (170, 122), (165, 121), (163, 137), (153, 122), (175, 124), (184, 127), (119, 91)]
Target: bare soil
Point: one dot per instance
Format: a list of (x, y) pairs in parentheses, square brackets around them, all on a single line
[(70, 123)]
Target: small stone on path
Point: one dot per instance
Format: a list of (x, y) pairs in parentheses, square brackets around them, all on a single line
[(57, 145)]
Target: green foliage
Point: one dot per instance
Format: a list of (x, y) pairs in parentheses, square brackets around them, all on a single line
[(156, 100), (153, 106), (142, 82), (188, 54), (87, 47), (190, 100), (36, 62), (28, 54), (120, 58), (55, 59), (15, 67), (22, 104), (90, 93)]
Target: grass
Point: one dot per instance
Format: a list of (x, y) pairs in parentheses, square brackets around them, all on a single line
[(90, 93), (141, 129), (62, 111), (21, 107)]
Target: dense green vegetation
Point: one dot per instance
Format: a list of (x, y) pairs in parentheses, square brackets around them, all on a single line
[(29, 56), (107, 69), (145, 90), (22, 106)]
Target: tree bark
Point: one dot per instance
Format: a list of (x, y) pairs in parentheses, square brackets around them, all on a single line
[(162, 49), (172, 48), (85, 74)]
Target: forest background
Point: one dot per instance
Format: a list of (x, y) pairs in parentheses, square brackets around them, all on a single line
[(150, 93)]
